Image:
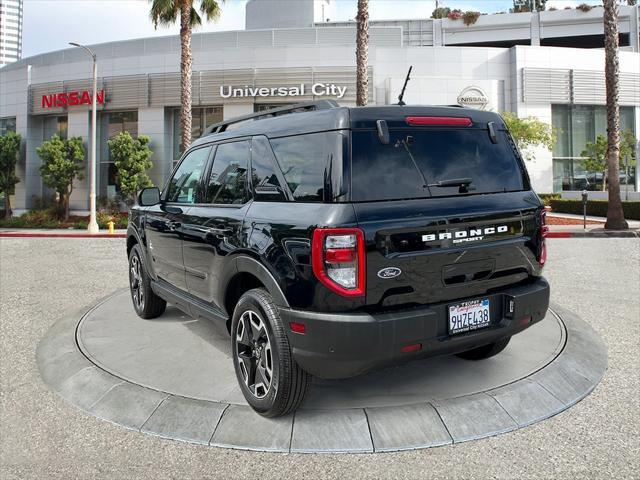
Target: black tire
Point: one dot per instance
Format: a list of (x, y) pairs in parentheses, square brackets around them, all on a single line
[(146, 303), (485, 351), (259, 340)]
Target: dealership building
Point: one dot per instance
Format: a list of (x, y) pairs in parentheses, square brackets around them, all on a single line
[(544, 64)]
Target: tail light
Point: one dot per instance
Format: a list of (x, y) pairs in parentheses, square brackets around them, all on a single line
[(544, 229), (338, 259)]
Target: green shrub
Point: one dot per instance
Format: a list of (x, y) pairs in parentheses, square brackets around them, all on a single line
[(80, 225), (441, 12), (120, 220), (470, 17), (597, 208), (34, 219), (547, 197), (583, 7)]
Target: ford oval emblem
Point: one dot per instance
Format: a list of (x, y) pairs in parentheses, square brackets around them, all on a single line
[(389, 272)]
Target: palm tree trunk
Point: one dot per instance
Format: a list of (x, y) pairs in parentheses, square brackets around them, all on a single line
[(362, 53), (185, 74), (615, 215)]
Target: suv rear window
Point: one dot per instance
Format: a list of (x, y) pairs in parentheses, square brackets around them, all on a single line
[(439, 155)]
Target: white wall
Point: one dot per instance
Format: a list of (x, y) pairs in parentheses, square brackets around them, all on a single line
[(79, 126), (152, 123), (439, 73)]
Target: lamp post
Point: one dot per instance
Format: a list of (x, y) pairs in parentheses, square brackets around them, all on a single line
[(93, 224)]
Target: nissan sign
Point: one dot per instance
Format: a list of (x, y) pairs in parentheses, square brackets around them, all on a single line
[(473, 97), (63, 99)]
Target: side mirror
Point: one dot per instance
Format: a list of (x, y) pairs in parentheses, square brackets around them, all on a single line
[(149, 197)]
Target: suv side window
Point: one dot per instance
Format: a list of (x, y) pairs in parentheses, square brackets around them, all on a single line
[(228, 178), (264, 176), (184, 186), (304, 159)]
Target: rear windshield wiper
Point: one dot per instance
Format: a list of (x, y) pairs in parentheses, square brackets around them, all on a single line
[(452, 182), (463, 183), (405, 143)]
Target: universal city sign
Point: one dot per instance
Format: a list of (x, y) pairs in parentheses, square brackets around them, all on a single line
[(63, 99), (317, 89)]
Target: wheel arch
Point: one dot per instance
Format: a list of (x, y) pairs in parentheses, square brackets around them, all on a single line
[(249, 274), (134, 238)]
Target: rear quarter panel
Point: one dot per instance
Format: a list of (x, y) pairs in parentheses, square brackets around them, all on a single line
[(279, 236)]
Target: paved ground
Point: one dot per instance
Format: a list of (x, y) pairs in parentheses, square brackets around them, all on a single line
[(41, 436)]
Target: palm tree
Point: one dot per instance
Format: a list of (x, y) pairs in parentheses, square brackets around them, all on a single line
[(615, 215), (362, 53), (166, 12)]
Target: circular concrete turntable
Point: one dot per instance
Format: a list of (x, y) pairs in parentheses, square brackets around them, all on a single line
[(173, 377)]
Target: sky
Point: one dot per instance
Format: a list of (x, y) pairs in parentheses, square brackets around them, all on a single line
[(51, 24)]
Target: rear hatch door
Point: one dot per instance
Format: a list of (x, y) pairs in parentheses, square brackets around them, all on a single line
[(447, 214)]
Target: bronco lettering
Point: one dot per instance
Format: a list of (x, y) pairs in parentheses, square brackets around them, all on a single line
[(470, 235)]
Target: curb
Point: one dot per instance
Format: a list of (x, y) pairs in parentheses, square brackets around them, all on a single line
[(596, 234), (61, 235), (571, 368)]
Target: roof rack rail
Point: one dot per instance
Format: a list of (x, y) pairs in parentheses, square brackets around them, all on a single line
[(273, 112)]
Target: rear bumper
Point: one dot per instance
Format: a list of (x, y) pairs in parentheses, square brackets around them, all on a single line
[(346, 345)]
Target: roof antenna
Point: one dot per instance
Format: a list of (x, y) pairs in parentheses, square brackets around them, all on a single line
[(400, 101)]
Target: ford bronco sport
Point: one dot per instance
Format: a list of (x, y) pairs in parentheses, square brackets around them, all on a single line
[(333, 241)]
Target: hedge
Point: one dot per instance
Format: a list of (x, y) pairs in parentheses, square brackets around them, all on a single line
[(597, 208), (547, 197)]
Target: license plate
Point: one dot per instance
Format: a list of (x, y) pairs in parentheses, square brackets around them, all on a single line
[(469, 316)]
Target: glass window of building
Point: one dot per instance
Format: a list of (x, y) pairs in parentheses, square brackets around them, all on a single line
[(576, 125), (63, 126), (7, 125), (201, 118), (57, 125), (111, 124)]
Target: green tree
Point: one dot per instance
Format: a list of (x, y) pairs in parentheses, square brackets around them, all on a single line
[(440, 12), (131, 157), (595, 158), (529, 132), (9, 149), (166, 12), (595, 154), (62, 163)]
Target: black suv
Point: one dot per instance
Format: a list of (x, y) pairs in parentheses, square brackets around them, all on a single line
[(332, 241)]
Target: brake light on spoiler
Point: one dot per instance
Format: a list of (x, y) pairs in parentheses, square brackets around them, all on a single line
[(439, 121), (338, 260)]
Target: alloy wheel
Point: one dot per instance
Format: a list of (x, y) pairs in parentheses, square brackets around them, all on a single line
[(135, 277), (254, 354)]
